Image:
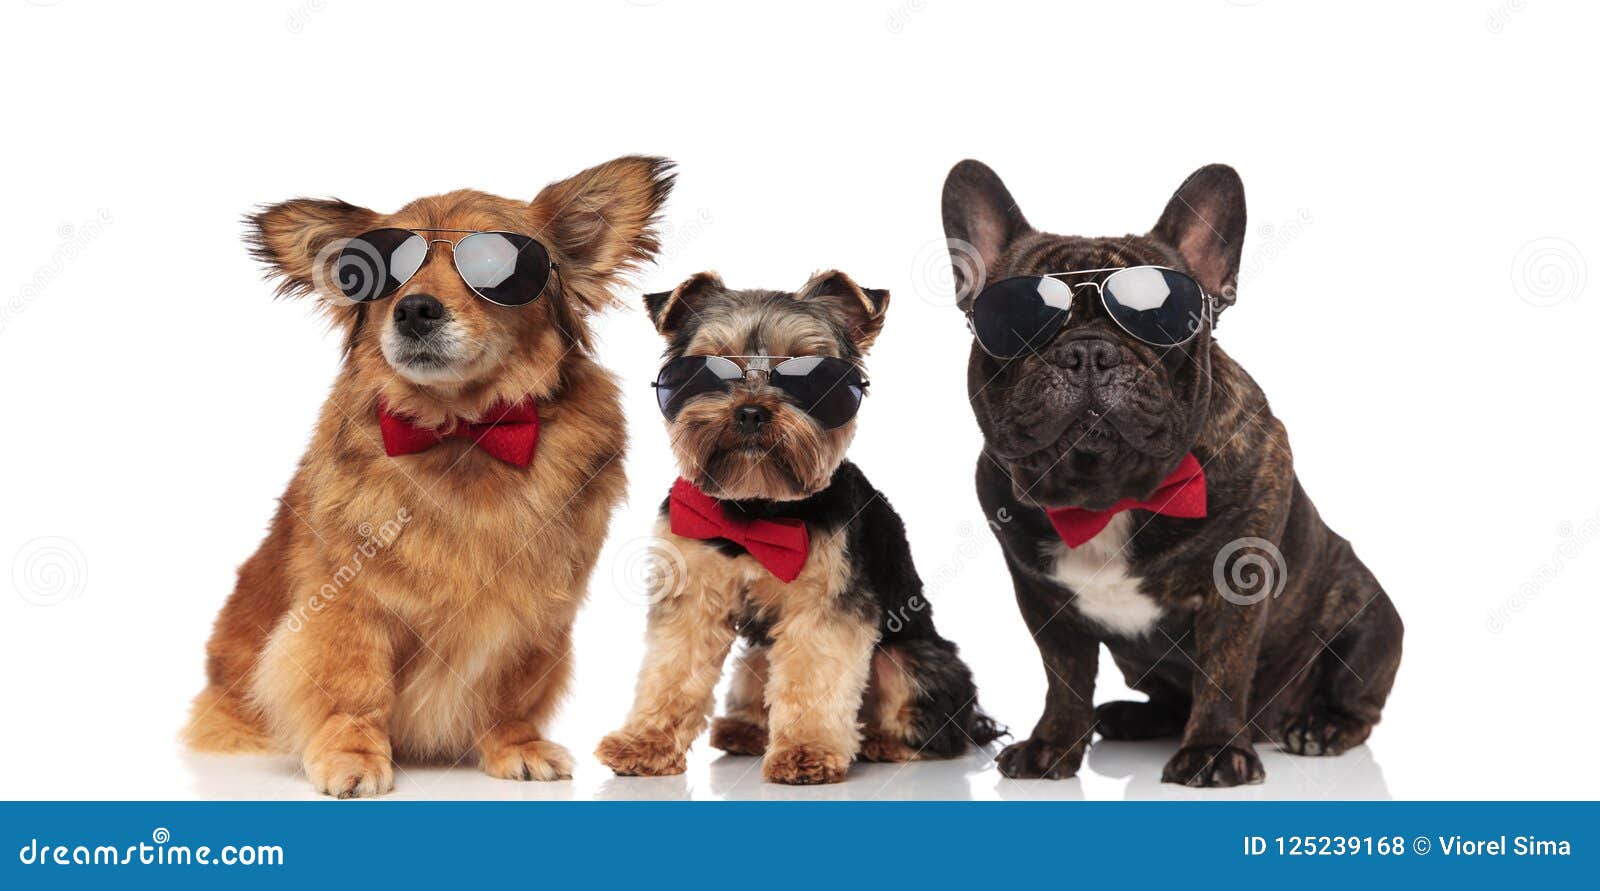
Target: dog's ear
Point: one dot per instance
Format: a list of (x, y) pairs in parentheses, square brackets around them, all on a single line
[(1205, 223), (670, 309), (980, 220), (861, 309), (299, 240), (601, 224)]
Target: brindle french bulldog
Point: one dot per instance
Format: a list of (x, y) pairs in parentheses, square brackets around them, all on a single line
[(1093, 418)]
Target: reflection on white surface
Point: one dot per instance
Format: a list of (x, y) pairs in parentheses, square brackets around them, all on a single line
[(1112, 771)]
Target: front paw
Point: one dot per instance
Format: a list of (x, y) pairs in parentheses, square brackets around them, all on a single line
[(649, 753), (1323, 733), (805, 765), (350, 774), (738, 737), (1040, 759), (1127, 719), (1214, 766), (537, 759)]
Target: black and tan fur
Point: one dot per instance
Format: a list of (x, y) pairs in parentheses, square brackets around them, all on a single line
[(1094, 416), (843, 662)]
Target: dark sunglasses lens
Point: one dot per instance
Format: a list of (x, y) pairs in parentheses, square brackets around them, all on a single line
[(376, 264), (503, 267), (826, 388), (687, 378), (1016, 315), (1158, 306)]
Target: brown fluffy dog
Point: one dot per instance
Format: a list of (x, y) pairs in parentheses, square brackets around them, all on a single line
[(422, 605)]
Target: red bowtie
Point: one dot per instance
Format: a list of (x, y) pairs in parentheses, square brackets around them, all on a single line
[(508, 432), (1182, 494), (780, 544)]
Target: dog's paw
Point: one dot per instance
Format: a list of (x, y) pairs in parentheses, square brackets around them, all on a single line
[(537, 759), (648, 754), (345, 774), (805, 765), (738, 737), (1127, 719), (1214, 766), (1038, 759), (886, 748), (1323, 733)]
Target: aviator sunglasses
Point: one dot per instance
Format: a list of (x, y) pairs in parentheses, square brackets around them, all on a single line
[(826, 388), (1159, 306), (504, 268)]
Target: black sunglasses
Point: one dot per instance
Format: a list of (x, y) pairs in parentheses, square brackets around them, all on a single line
[(826, 388), (1159, 306), (504, 268)]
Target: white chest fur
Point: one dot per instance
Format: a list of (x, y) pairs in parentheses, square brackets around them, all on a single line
[(1106, 590)]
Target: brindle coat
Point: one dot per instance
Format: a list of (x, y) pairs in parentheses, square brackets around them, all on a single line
[(1310, 668)]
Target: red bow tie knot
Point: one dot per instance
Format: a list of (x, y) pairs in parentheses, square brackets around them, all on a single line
[(780, 544), (1182, 494), (509, 432)]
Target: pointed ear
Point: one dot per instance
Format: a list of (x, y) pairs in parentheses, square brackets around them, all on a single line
[(980, 220), (601, 224), (860, 309), (670, 309), (299, 240), (1205, 223)]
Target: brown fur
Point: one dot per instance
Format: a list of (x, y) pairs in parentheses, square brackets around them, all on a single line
[(815, 671), (814, 676), (795, 456), (422, 606)]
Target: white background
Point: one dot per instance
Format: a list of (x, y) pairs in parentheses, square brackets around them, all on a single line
[(1415, 302)]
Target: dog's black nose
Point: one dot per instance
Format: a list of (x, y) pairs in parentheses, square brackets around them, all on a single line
[(1090, 355), (417, 314), (750, 419)]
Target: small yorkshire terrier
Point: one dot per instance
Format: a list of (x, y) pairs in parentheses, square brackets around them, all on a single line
[(785, 543), (416, 592)]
